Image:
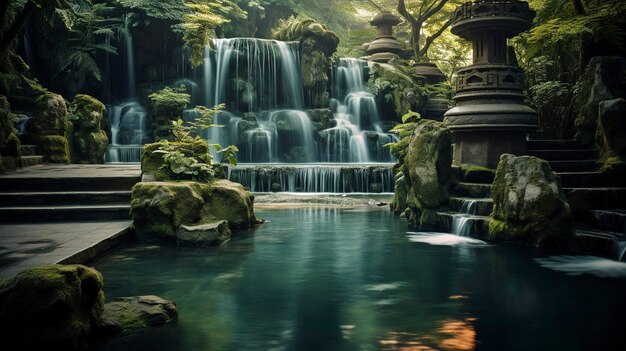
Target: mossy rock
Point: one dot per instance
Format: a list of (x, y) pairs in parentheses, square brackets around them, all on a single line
[(88, 113), (167, 105), (89, 147), (55, 149), (395, 90), (610, 136), (137, 312), (158, 209), (50, 307), (49, 117), (9, 141), (529, 206)]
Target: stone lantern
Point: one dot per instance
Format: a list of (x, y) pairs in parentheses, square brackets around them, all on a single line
[(385, 46), (490, 117)]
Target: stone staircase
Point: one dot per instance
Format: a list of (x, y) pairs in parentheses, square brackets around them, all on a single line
[(29, 156), (83, 193)]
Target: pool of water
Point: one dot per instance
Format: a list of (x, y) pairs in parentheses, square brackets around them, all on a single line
[(355, 279)]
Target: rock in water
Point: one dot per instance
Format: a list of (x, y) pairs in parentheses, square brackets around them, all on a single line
[(129, 313), (52, 307), (528, 204), (210, 234)]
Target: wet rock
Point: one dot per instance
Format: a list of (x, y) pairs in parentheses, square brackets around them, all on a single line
[(529, 206), (49, 117), (159, 209), (210, 234), (130, 313), (52, 307), (54, 149), (424, 173)]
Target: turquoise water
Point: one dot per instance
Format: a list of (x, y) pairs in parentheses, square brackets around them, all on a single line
[(340, 279)]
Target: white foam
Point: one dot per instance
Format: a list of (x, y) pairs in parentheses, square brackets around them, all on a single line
[(444, 239), (578, 265)]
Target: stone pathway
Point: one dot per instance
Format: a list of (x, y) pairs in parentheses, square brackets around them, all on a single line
[(27, 245)]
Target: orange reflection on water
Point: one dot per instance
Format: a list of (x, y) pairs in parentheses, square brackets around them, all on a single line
[(462, 335), (454, 335)]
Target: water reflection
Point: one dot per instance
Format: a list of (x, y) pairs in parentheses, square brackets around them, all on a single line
[(335, 279), (577, 265)]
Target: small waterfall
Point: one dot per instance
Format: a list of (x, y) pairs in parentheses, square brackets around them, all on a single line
[(462, 222), (356, 118), (621, 251), (314, 178), (127, 119)]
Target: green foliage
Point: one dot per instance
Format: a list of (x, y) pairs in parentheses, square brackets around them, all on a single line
[(410, 117), (201, 21), (171, 9), (552, 100), (181, 167)]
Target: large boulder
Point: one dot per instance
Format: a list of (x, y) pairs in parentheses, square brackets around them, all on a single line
[(210, 234), (50, 308), (54, 149), (89, 141), (423, 174), (136, 312), (159, 209), (610, 135), (603, 79), (49, 116), (529, 206)]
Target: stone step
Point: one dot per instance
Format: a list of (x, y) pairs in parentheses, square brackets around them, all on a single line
[(555, 145), (472, 190), (30, 214), (565, 155), (612, 220), (28, 150), (28, 161), (480, 207), (478, 226), (596, 198), (574, 166), (50, 184), (599, 243), (590, 180), (64, 198)]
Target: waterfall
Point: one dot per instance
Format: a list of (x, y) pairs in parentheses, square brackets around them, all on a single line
[(621, 251), (356, 118), (462, 222), (127, 119), (315, 178)]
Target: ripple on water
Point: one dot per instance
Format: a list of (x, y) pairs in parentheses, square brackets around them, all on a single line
[(444, 239), (578, 265)]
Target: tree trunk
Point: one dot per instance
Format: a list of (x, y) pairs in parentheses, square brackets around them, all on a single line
[(416, 30)]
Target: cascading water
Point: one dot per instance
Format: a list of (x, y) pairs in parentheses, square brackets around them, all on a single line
[(128, 119), (463, 222)]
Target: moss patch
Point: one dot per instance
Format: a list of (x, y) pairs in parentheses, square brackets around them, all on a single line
[(55, 149), (50, 307)]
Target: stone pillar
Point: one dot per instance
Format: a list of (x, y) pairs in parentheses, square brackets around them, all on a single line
[(490, 117), (385, 46)]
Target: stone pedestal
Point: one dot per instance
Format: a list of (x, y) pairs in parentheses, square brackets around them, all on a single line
[(490, 117)]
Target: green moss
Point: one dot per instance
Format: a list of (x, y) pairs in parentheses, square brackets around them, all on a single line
[(49, 116), (167, 105), (151, 162), (396, 89), (477, 174), (55, 149), (132, 322), (87, 113), (50, 307)]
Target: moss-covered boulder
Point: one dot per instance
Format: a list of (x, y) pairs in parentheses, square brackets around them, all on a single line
[(167, 105), (9, 141), (159, 209), (610, 135), (602, 80), (50, 308), (137, 312), (54, 149), (89, 140), (49, 116), (317, 45), (423, 174), (529, 206)]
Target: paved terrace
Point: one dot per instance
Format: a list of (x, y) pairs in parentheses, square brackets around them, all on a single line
[(42, 222)]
